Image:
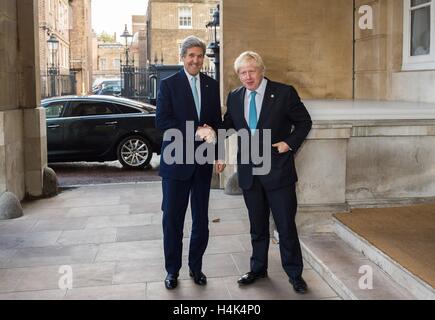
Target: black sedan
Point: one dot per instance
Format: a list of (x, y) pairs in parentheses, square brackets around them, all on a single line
[(101, 128)]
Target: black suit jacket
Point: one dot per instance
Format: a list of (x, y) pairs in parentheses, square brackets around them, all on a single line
[(286, 116)]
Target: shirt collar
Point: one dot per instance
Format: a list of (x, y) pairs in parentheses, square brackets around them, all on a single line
[(189, 76), (261, 88)]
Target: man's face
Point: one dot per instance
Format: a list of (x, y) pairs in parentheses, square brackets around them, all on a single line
[(250, 75), (193, 60)]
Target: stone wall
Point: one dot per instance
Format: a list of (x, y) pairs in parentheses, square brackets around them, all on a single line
[(164, 35), (304, 43), (378, 58), (81, 44)]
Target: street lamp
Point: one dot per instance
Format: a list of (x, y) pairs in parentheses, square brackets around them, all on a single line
[(127, 69), (213, 49), (127, 35), (53, 70)]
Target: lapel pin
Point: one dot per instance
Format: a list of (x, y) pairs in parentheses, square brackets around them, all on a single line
[(272, 96)]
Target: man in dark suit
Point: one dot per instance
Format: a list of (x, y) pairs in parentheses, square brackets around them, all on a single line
[(259, 105), (186, 99)]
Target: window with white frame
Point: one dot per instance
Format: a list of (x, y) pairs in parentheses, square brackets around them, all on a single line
[(419, 35), (185, 17)]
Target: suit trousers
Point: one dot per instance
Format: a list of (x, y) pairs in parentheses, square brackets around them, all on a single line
[(175, 202), (283, 204)]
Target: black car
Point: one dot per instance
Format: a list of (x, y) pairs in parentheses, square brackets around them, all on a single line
[(101, 128), (110, 91)]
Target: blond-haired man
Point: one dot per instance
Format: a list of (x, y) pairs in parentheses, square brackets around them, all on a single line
[(261, 104)]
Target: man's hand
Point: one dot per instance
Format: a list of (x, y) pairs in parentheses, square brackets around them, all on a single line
[(220, 166), (282, 147), (206, 133)]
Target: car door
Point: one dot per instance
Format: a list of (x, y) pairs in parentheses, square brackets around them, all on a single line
[(91, 129), (55, 127)]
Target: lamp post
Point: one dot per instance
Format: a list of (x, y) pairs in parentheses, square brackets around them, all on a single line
[(213, 49), (52, 69), (127, 69)]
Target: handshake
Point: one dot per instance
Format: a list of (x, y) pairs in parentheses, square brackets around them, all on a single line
[(207, 134)]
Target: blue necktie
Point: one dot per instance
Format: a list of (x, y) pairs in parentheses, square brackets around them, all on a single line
[(196, 97), (253, 113)]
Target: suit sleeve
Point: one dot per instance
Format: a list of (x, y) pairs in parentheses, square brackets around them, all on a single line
[(165, 118), (300, 118), (227, 122)]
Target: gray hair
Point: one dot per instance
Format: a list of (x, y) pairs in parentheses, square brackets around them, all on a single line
[(192, 42), (249, 56)]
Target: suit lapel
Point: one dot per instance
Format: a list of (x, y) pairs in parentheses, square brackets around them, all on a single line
[(241, 107), (268, 99), (204, 94)]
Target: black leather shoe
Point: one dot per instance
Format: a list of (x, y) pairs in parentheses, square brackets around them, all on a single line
[(198, 277), (299, 284), (251, 276), (171, 281)]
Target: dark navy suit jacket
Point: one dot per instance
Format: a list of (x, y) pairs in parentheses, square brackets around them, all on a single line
[(284, 113), (176, 106)]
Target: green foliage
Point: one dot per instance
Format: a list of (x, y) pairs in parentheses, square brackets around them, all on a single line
[(105, 37)]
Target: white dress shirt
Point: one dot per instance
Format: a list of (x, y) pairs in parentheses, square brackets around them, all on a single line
[(259, 97)]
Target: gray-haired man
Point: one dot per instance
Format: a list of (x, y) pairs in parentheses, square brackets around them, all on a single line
[(187, 96)]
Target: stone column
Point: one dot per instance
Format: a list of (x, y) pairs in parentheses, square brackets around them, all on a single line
[(23, 146), (35, 137)]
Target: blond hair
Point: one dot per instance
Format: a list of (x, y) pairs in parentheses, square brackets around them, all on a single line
[(249, 56)]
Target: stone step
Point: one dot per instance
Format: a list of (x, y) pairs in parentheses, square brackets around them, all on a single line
[(405, 278), (348, 271)]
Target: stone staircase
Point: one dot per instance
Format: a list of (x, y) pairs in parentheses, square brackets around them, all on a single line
[(357, 270)]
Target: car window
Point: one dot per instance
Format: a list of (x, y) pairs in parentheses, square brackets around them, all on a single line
[(84, 109), (126, 109), (54, 109)]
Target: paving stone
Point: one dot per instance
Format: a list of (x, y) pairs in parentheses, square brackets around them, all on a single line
[(15, 226), (60, 224), (119, 221), (114, 292), (98, 211), (87, 236), (188, 290), (34, 295), (135, 250), (83, 275), (277, 287), (32, 239), (53, 255), (111, 236)]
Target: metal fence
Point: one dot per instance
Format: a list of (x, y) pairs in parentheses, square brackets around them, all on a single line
[(143, 83), (58, 85)]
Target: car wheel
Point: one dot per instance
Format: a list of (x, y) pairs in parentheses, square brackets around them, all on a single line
[(134, 152)]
